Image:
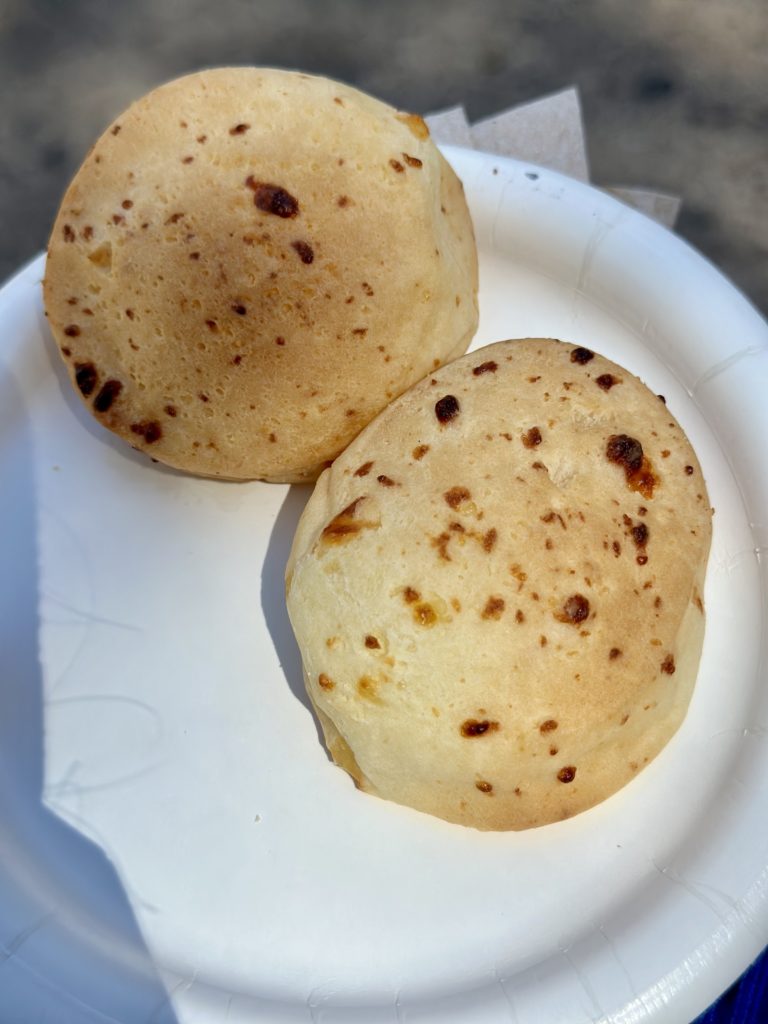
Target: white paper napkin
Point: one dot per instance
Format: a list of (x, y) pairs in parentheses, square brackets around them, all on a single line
[(549, 132)]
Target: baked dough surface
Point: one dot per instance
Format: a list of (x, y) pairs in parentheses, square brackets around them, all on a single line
[(251, 263), (497, 588)]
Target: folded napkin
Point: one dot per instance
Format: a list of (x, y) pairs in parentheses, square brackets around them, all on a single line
[(548, 132)]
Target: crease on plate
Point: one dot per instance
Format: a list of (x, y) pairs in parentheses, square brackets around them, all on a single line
[(399, 1009), (317, 998), (598, 1013), (82, 616), (66, 998), (68, 786), (731, 561), (599, 233), (495, 246), (694, 890), (748, 730), (725, 364), (656, 997), (167, 1002), (617, 957), (508, 999), (7, 952)]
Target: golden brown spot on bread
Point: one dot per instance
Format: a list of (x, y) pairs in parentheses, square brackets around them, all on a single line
[(239, 129), (305, 251), (551, 516), (606, 381), (668, 665), (519, 616), (627, 452), (532, 437), (107, 396), (548, 726), (324, 682), (368, 689), (581, 355), (472, 727), (363, 470), (344, 526), (494, 607), (412, 161), (614, 653), (447, 408), (424, 614), (456, 495), (484, 787), (273, 199), (410, 595), (575, 610), (489, 367), (72, 331), (416, 125), (420, 451), (489, 540), (441, 542), (386, 481), (69, 234), (396, 166), (372, 643), (567, 774), (150, 430), (86, 377)]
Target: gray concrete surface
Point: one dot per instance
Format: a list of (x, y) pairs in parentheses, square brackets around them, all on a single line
[(675, 92)]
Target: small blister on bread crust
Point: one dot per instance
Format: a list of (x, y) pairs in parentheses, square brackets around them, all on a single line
[(251, 263), (497, 588)]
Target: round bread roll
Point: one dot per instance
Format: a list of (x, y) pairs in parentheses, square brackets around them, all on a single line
[(497, 588), (251, 263)]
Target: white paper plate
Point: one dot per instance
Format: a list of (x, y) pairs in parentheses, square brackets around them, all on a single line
[(176, 845)]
